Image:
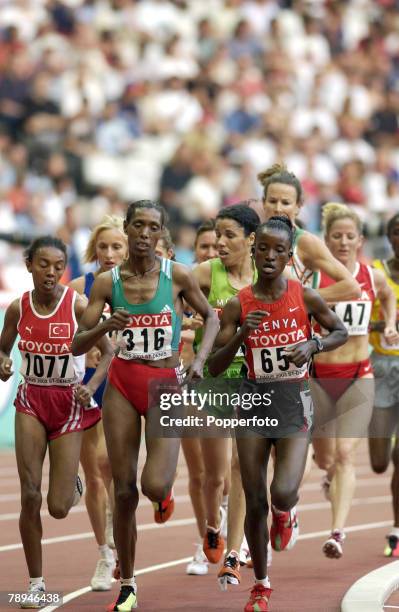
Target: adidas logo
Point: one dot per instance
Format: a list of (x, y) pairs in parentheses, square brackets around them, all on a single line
[(166, 308)]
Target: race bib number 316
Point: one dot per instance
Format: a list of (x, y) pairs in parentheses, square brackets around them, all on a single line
[(148, 337)]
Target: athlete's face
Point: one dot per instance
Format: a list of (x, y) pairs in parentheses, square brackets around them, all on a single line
[(344, 240), (206, 246), (231, 242), (272, 253), (281, 199), (143, 231), (162, 251), (46, 267), (111, 249), (393, 238)]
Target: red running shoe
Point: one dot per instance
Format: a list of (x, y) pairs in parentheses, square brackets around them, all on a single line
[(163, 510), (213, 546), (284, 530), (259, 599)]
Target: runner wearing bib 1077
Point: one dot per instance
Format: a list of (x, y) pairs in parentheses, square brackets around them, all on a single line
[(343, 384), (385, 359), (52, 408), (146, 297), (271, 318)]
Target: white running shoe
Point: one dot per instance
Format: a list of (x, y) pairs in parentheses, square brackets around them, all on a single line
[(109, 528), (332, 548), (78, 491), (199, 565), (102, 577), (223, 522), (35, 597), (245, 555)]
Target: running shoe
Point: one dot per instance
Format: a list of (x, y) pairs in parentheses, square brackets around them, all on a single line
[(163, 510), (392, 548), (325, 487), (259, 599), (223, 522), (199, 565), (230, 571), (109, 528), (332, 548), (126, 601), (245, 555), (35, 596), (102, 577), (284, 530), (213, 545), (78, 491)]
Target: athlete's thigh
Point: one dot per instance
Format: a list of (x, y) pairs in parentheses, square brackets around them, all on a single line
[(324, 410), (160, 452), (30, 448), (64, 455), (384, 424), (291, 454), (215, 455), (89, 450), (253, 454), (193, 455), (355, 408), (122, 429)]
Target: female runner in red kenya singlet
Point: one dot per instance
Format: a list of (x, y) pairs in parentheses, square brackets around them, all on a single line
[(52, 408), (273, 320)]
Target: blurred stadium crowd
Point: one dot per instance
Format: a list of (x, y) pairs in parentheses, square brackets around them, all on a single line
[(105, 101)]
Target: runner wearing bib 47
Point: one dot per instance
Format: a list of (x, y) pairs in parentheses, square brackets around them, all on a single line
[(271, 318), (343, 385), (385, 359), (146, 296)]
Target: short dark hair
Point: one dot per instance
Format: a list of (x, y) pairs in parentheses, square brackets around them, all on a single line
[(243, 215), (42, 242), (278, 223), (131, 209)]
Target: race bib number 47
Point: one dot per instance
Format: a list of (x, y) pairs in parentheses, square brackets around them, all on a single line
[(148, 336)]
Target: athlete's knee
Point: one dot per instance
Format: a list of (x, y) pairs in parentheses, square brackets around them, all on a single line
[(94, 485), (344, 456), (283, 496), (214, 481), (58, 509), (197, 480), (324, 461), (31, 498), (155, 489), (256, 501), (126, 494)]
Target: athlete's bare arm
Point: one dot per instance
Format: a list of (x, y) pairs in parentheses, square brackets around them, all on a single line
[(78, 284), (388, 306), (190, 291), (85, 392), (327, 318), (8, 336), (203, 274), (91, 330), (316, 256)]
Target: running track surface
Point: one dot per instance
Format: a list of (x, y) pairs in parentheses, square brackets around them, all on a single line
[(302, 579)]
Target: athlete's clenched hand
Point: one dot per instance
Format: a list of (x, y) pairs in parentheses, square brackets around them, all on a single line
[(5, 368), (118, 321), (253, 320), (301, 353)]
